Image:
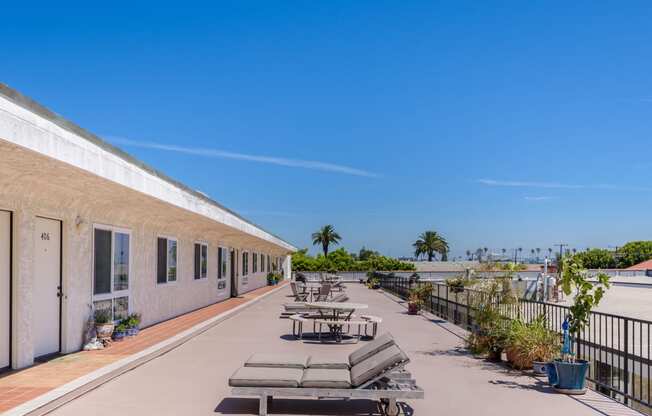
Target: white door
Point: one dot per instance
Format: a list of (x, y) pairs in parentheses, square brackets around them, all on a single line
[(5, 287), (47, 277)]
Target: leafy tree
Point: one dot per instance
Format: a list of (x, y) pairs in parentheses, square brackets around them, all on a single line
[(326, 236), (634, 252), (429, 243), (365, 254), (341, 260), (596, 258)]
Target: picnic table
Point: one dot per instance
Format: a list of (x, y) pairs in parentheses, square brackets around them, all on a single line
[(313, 288), (335, 315)]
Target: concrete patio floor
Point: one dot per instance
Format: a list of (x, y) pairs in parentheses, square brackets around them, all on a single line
[(192, 379)]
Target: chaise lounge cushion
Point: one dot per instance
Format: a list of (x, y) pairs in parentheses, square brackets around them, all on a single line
[(326, 379), (266, 377), (295, 306), (328, 363), (340, 298), (376, 364), (298, 361), (373, 347)]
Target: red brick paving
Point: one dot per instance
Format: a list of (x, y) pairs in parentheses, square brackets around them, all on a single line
[(18, 387)]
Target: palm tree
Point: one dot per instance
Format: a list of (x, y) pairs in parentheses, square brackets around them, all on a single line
[(549, 252), (326, 236), (504, 251), (468, 254), (538, 250), (429, 243)]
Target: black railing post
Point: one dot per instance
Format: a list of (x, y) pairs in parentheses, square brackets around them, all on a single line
[(468, 310), (447, 305), (626, 364)]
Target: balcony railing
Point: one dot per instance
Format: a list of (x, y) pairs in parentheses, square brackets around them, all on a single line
[(617, 347)]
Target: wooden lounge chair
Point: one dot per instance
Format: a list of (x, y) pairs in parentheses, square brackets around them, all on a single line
[(375, 371), (298, 295), (324, 293)]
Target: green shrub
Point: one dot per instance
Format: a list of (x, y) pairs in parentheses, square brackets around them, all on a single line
[(102, 316), (341, 260), (528, 342)]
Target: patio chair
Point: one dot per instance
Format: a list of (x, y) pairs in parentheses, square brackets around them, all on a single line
[(324, 293), (375, 371), (298, 296)]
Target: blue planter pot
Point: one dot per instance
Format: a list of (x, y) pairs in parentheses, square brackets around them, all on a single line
[(119, 335), (552, 373), (569, 378), (132, 332)]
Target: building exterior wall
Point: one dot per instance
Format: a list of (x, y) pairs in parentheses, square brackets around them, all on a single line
[(155, 302), (50, 169)]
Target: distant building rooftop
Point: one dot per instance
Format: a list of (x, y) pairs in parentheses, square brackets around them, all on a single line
[(646, 265)]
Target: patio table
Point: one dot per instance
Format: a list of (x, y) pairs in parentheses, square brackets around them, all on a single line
[(313, 288), (339, 311)]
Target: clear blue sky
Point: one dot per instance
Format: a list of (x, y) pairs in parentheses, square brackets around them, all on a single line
[(498, 124)]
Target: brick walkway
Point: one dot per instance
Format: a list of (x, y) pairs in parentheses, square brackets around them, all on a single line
[(18, 387)]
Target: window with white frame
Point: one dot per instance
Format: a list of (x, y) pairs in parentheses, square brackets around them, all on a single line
[(201, 261), (255, 262), (269, 267), (166, 260), (262, 262), (111, 262), (245, 263), (222, 266)]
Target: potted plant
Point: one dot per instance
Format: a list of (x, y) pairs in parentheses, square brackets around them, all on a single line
[(489, 329), (569, 372), (373, 282), (531, 345), (414, 302), (496, 339), (455, 285), (132, 323), (417, 297), (120, 332), (103, 323)]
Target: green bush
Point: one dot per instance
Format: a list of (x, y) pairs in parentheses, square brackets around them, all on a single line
[(341, 260), (597, 258), (528, 342), (634, 252)]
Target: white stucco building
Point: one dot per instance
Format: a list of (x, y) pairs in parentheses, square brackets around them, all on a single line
[(84, 225)]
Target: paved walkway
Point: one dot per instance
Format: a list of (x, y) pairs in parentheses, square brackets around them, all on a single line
[(19, 387), (192, 379)]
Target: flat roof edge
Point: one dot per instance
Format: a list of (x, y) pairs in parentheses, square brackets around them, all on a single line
[(29, 104)]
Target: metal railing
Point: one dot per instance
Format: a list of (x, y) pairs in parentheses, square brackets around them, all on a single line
[(616, 347)]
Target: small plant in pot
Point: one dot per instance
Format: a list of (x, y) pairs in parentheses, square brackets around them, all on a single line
[(569, 372), (373, 282), (103, 324), (120, 332), (414, 303), (418, 297), (455, 285), (132, 323)]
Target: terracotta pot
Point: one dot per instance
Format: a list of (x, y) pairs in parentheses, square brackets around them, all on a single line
[(413, 309), (104, 331)]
